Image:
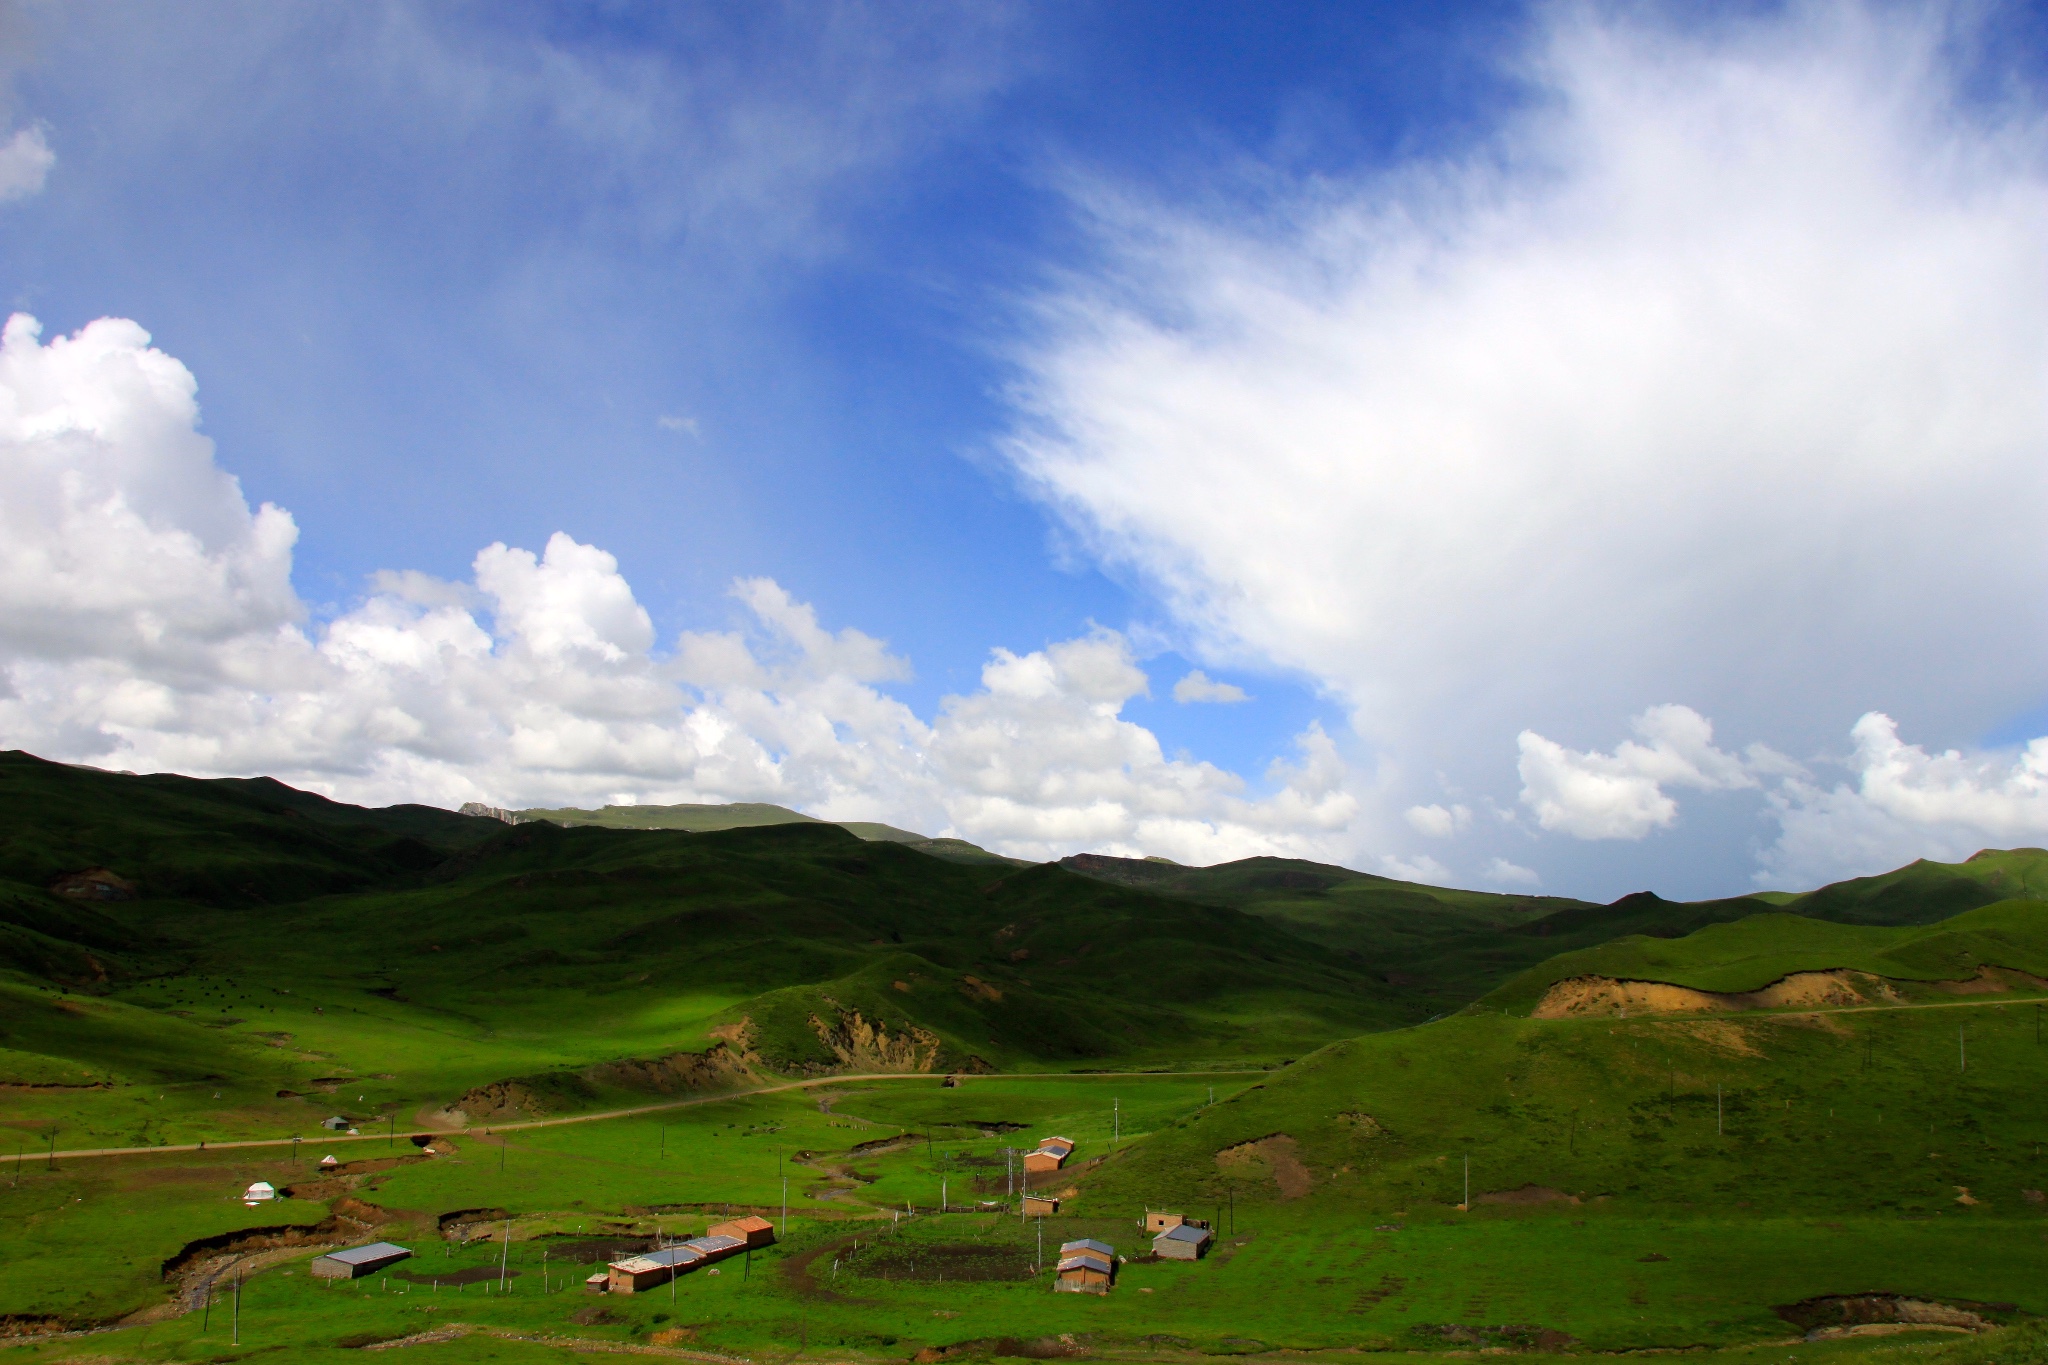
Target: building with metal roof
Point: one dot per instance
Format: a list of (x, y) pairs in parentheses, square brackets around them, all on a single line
[(354, 1262), (654, 1268), (753, 1230), (1183, 1242), (1085, 1272)]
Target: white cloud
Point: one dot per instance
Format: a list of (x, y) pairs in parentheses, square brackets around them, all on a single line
[(25, 162), (1501, 872), (685, 425), (1621, 795), (1421, 868), (1198, 686), (1438, 822), (147, 621), (1716, 372), (1905, 803)]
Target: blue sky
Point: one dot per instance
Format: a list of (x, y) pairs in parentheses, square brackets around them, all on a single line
[(937, 318)]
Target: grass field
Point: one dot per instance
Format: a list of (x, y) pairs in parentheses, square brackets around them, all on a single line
[(1614, 1180)]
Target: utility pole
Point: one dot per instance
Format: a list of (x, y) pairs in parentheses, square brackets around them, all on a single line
[(1467, 1205), (785, 1204), (505, 1256), (1116, 1121), (235, 1317), (53, 1149)]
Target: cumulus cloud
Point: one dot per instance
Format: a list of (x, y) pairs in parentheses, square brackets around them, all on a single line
[(1198, 686), (1715, 371), (25, 162), (1501, 872), (1903, 802), (1438, 822), (1621, 795), (1896, 801), (147, 621)]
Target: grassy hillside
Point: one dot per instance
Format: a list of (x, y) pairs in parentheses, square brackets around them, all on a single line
[(273, 966), (1449, 947), (1722, 1182), (707, 819), (1751, 953)]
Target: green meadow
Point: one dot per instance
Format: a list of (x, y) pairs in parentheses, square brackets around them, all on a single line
[(614, 1035)]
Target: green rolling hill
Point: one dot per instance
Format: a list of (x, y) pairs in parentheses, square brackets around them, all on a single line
[(250, 951), (1687, 1125), (707, 819)]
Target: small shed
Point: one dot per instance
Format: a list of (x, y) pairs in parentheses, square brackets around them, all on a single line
[(355, 1262), (652, 1270), (1050, 1155), (598, 1283), (259, 1192), (1040, 1206), (751, 1230), (1085, 1273), (1184, 1243), (335, 1124)]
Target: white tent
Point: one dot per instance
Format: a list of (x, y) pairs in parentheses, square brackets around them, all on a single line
[(259, 1192)]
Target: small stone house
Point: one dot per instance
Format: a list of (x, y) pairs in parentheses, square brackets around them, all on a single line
[(1185, 1242)]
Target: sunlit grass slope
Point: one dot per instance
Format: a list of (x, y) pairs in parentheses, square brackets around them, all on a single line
[(1751, 953), (277, 965)]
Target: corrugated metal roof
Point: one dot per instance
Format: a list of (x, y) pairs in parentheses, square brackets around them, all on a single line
[(1184, 1233), (659, 1260), (709, 1245), (375, 1251), (1087, 1244), (1085, 1260)]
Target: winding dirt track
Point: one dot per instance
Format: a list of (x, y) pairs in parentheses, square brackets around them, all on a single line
[(333, 1139)]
